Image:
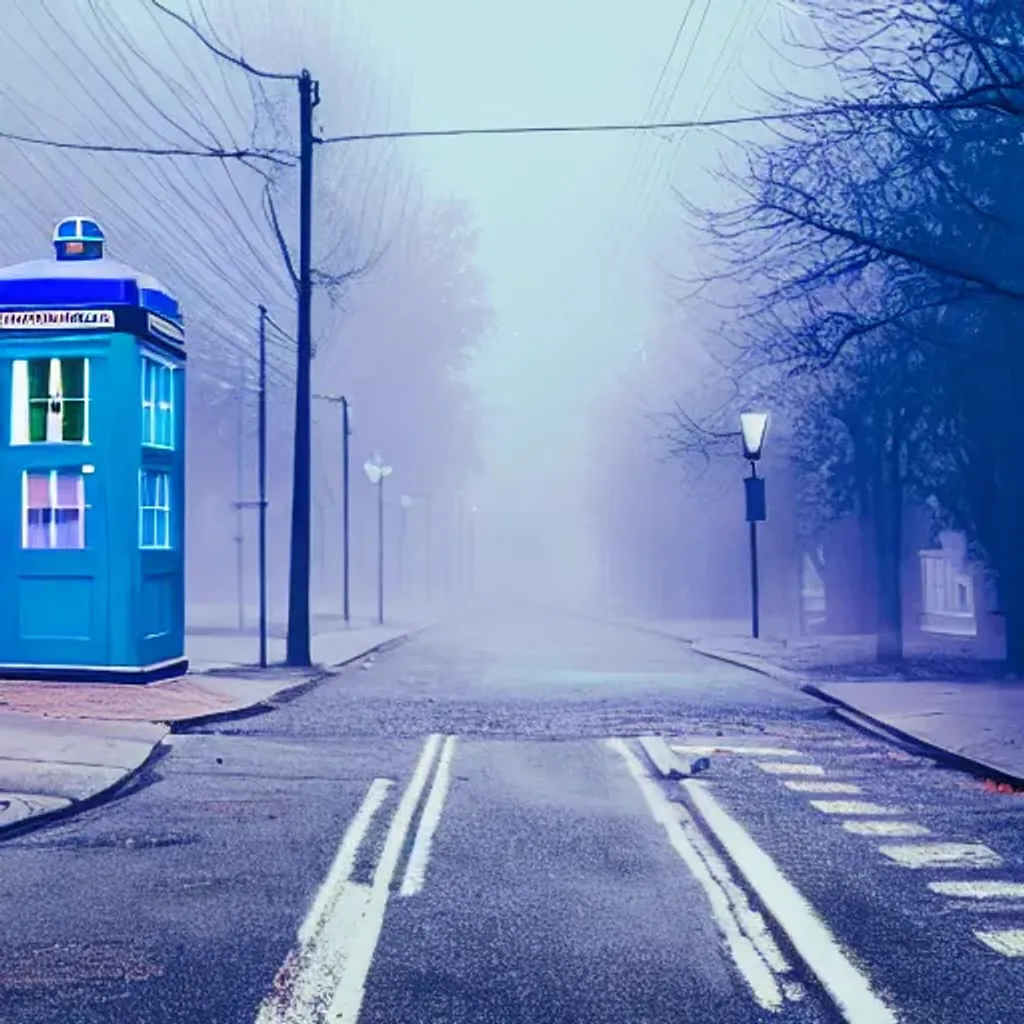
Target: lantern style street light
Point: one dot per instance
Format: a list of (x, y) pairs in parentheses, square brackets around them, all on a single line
[(753, 427), (376, 471)]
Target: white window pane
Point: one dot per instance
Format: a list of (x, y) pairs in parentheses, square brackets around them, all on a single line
[(19, 402), (69, 532), (38, 532)]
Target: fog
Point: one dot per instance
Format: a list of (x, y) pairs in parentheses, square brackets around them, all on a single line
[(511, 321), (578, 237)]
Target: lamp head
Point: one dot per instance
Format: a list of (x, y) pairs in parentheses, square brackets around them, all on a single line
[(753, 427)]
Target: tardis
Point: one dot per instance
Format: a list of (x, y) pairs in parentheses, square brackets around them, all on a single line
[(92, 447)]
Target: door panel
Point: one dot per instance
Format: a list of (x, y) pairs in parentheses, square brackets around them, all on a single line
[(60, 595)]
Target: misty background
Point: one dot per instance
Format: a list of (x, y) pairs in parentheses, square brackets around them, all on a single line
[(535, 331)]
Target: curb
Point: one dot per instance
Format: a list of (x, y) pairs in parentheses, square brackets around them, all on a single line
[(868, 723), (749, 661), (162, 748), (102, 796), (961, 762), (288, 693)]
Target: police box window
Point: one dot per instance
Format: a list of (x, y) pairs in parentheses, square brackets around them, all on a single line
[(50, 401), (53, 509), (157, 403), (154, 509)]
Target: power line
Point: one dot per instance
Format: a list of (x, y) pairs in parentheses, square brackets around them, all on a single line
[(703, 103), (182, 268), (652, 104), (238, 61), (645, 176), (813, 113), (276, 157)]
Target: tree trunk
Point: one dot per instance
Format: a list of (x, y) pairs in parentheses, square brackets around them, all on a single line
[(1011, 604), (889, 552)]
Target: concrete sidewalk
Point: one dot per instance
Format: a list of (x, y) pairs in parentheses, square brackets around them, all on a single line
[(963, 708), (65, 746)]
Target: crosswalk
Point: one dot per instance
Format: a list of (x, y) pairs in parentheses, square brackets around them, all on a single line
[(902, 841)]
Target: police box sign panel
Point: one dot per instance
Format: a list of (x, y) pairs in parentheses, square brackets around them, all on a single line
[(56, 319)]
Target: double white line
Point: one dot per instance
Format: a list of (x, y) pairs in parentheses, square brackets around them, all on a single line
[(745, 930), (324, 977)]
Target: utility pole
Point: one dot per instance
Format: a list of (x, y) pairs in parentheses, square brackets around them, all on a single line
[(471, 553), (430, 546), (346, 432), (460, 547), (262, 481), (298, 645), (405, 503), (380, 551), (240, 505)]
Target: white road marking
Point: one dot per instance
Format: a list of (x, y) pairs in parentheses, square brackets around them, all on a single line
[(416, 869), (781, 768), (864, 807), (728, 749), (348, 997), (661, 756), (754, 969), (980, 890), (943, 855), (307, 977), (345, 859), (323, 979), (1009, 942), (814, 786), (888, 829), (849, 988)]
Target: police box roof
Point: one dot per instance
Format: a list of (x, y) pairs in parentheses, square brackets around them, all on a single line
[(67, 283)]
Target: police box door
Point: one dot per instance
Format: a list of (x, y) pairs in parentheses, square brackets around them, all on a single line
[(55, 521)]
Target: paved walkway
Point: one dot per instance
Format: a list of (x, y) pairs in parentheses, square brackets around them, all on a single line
[(68, 745)]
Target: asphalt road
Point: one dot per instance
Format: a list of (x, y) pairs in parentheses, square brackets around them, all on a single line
[(447, 835)]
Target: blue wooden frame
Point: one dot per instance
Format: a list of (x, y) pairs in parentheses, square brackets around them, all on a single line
[(111, 611)]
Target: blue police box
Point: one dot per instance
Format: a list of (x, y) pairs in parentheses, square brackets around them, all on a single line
[(92, 482)]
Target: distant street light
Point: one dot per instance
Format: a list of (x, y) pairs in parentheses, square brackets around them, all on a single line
[(753, 427), (376, 470), (406, 501), (471, 554)]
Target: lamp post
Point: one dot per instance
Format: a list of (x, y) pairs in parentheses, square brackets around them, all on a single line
[(753, 426), (376, 470), (406, 502), (471, 552)]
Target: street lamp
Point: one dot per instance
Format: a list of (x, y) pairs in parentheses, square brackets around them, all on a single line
[(753, 427), (471, 554), (376, 470), (406, 501)]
